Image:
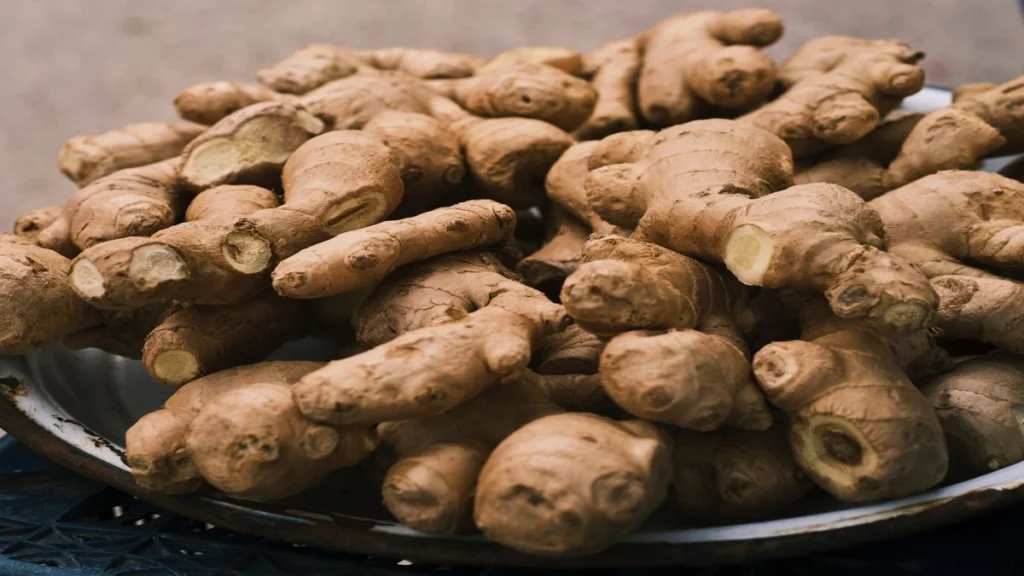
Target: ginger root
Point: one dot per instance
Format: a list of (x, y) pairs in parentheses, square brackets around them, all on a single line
[(811, 237), (572, 484), (359, 258), (614, 68), (857, 425), (422, 62), (210, 102), (442, 331), (238, 430), (183, 262), (980, 405), (310, 68), (838, 89), (693, 62), (732, 476), (85, 159), (565, 59), (30, 224), (247, 147)]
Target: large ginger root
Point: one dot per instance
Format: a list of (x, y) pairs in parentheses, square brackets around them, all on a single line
[(39, 307), (337, 182), (422, 62), (184, 262), (310, 68), (692, 62), (838, 89), (613, 68), (349, 103), (697, 380), (858, 426), (210, 102), (247, 147), (734, 476), (525, 90), (955, 217), (132, 202), (430, 487), (980, 405), (980, 122), (986, 309), (30, 224), (444, 330), (565, 59), (359, 258), (862, 166), (201, 340), (572, 484), (817, 237), (238, 429), (85, 159), (428, 153)]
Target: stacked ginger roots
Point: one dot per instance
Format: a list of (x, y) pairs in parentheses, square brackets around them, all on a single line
[(738, 293)]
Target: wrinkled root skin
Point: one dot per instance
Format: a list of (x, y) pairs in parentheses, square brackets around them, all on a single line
[(85, 159)]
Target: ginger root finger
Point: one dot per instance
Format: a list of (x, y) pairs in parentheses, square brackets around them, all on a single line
[(570, 351), (535, 494), (85, 159), (359, 258), (424, 63), (201, 340), (734, 476), (984, 309), (334, 183), (30, 224), (565, 59), (858, 426), (238, 430), (564, 185), (838, 89), (526, 90), (309, 68), (210, 102), (131, 202), (694, 61), (184, 262), (428, 153), (980, 405), (39, 307), (614, 67), (960, 216), (350, 103), (812, 237), (247, 147)]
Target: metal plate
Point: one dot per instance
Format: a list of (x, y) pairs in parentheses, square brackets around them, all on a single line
[(75, 406)]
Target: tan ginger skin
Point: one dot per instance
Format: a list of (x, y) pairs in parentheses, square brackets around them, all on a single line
[(732, 476), (247, 147), (570, 351), (979, 406), (688, 378), (746, 214), (350, 103), (857, 425), (559, 256), (695, 62), (565, 59), (572, 484), (200, 340), (462, 315), (422, 62), (358, 259), (526, 90), (85, 159), (184, 262), (335, 183), (838, 89), (209, 102), (430, 487), (132, 202), (613, 68), (238, 430), (30, 224)]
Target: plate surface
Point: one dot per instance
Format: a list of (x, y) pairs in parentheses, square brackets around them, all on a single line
[(75, 406)]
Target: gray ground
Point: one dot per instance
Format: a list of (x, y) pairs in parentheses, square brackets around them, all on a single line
[(74, 67)]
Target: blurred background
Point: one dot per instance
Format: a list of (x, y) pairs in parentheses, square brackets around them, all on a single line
[(69, 67)]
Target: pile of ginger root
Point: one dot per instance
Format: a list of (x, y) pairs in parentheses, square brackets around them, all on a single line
[(572, 289)]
